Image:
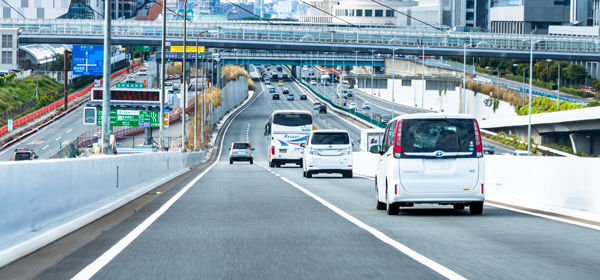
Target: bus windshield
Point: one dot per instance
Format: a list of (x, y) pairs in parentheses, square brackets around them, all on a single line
[(292, 119)]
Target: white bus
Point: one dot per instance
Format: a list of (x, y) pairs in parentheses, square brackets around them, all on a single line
[(286, 129)]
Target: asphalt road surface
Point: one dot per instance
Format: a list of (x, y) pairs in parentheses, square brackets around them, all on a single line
[(246, 221)]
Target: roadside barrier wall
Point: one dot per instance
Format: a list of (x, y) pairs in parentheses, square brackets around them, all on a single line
[(561, 185), (45, 199)]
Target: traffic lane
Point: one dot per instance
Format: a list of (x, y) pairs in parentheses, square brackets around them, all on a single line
[(500, 149), (518, 85), (262, 237), (498, 244), (47, 140)]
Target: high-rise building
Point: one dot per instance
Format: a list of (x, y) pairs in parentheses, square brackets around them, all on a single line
[(72, 9), (536, 16)]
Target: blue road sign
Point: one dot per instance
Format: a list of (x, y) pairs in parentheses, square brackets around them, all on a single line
[(88, 59)]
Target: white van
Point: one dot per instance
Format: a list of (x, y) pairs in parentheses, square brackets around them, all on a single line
[(142, 72), (430, 158), (327, 151), (370, 138)]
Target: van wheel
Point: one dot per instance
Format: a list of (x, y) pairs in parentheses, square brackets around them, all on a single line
[(459, 206), (304, 174), (251, 161), (379, 205), (308, 174), (391, 209), (271, 164), (230, 161), (301, 164), (476, 208), (349, 174)]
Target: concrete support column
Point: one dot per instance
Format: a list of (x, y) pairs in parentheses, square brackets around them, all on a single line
[(581, 143)]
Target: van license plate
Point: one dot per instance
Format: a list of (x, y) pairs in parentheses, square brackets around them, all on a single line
[(283, 151)]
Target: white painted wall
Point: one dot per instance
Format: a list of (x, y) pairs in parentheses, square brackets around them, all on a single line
[(566, 186), (449, 102)]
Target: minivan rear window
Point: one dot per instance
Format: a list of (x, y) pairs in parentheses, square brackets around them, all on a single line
[(241, 146), (292, 119), (330, 139), (22, 156), (447, 135)]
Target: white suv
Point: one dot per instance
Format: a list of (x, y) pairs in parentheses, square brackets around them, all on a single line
[(430, 158), (327, 151)]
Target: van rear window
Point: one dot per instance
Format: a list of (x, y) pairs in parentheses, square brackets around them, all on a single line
[(22, 156), (447, 135), (330, 139), (292, 119)]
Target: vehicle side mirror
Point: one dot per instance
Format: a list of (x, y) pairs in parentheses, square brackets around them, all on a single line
[(36, 157), (302, 145), (253, 149), (230, 149), (375, 149)]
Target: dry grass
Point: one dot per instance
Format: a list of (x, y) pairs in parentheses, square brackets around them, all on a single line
[(505, 95)]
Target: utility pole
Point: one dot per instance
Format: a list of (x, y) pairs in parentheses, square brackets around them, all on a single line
[(162, 78), (66, 69), (184, 85), (106, 80)]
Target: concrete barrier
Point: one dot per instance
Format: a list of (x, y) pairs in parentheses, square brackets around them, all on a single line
[(565, 186), (45, 200)]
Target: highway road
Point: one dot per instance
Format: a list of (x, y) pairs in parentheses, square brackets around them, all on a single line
[(48, 140), (245, 221), (518, 85)]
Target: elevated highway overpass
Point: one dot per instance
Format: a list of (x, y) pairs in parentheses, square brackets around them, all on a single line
[(313, 37)]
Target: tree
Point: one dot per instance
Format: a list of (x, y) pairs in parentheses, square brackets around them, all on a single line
[(596, 85), (576, 73), (494, 62), (59, 63)]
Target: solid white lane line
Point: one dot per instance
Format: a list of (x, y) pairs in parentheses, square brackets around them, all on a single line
[(381, 236), (90, 270), (45, 147)]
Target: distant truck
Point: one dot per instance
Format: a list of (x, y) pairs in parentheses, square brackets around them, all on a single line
[(369, 138)]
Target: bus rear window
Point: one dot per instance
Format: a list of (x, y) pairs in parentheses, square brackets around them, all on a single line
[(292, 119)]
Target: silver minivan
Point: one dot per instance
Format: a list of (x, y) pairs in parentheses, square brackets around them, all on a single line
[(430, 158)]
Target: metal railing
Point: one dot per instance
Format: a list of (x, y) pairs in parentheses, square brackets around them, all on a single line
[(303, 33)]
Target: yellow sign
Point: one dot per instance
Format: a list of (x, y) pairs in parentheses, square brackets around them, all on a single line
[(190, 49), (166, 120)]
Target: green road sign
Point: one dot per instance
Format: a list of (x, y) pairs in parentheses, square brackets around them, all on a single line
[(131, 118), (130, 85), (143, 48)]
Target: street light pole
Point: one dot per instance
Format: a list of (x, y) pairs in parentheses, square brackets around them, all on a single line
[(162, 78), (423, 81), (372, 73), (393, 77), (530, 97), (184, 86), (356, 77), (464, 93), (106, 93), (558, 89)]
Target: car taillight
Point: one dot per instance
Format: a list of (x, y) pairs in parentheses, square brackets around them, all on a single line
[(478, 141), (273, 150), (398, 142), (481, 188)]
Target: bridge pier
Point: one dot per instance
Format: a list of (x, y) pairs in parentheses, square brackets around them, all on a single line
[(582, 143)]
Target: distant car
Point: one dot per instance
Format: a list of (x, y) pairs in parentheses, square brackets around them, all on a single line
[(280, 83), (131, 78), (339, 68), (275, 96), (147, 6), (240, 151), (291, 97), (303, 97), (352, 106), (313, 83), (317, 105), (24, 154), (279, 68), (305, 68), (521, 153), (311, 72), (272, 89), (488, 149), (169, 86), (350, 94), (286, 90), (385, 118), (323, 109), (366, 105), (285, 76), (142, 72), (267, 81)]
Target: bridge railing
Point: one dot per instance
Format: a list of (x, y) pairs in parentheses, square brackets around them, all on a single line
[(310, 33)]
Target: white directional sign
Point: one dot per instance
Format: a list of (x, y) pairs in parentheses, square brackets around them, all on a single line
[(10, 125)]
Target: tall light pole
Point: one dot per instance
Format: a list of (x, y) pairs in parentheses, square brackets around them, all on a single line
[(530, 97), (184, 86), (106, 93), (162, 78), (423, 80), (372, 73), (393, 77), (558, 89), (464, 93), (356, 76)]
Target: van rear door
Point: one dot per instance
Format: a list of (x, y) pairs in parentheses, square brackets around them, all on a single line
[(438, 155)]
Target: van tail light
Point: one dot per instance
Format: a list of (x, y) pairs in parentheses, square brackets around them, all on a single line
[(481, 188), (396, 189), (478, 140), (398, 140), (273, 150)]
